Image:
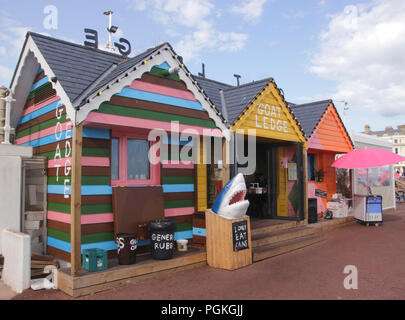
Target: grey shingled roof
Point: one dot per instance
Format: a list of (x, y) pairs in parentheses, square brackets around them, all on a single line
[(75, 66), (211, 88), (236, 98), (82, 70), (309, 114)]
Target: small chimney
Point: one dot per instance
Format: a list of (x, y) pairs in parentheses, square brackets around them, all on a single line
[(367, 129), (203, 71), (237, 76)]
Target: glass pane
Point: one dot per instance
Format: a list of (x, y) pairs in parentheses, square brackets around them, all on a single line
[(115, 159), (137, 159)]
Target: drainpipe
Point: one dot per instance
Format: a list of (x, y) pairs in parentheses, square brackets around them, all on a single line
[(3, 91), (7, 129)]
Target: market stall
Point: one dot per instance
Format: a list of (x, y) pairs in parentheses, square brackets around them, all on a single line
[(368, 207)]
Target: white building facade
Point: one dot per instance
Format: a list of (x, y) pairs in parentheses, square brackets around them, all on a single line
[(397, 137)]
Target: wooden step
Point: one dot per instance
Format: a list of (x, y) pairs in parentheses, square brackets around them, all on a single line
[(282, 235), (273, 228), (278, 248)]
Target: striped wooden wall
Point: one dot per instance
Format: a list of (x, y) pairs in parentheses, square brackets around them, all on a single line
[(154, 98), (43, 125), (152, 101)]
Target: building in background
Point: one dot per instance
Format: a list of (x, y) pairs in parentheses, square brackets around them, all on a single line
[(397, 137)]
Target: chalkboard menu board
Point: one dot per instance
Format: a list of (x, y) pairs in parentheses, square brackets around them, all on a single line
[(240, 235), (320, 193)]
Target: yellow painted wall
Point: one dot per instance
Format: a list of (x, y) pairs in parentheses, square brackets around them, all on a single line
[(282, 194), (202, 191), (270, 117)]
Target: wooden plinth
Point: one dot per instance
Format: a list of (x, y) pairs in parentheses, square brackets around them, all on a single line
[(220, 251), (116, 275)]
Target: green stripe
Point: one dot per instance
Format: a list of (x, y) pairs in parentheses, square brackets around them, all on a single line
[(41, 126), (153, 115), (184, 226), (45, 87), (86, 209), (159, 72), (177, 180), (87, 152), (97, 208), (59, 207), (85, 238), (171, 204), (86, 180)]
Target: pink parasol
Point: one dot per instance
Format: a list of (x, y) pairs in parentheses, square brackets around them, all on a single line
[(367, 158)]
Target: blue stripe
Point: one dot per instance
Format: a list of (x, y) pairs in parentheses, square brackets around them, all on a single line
[(199, 232), (47, 140), (154, 97), (87, 133), (164, 65), (86, 190), (40, 112), (183, 235), (65, 246), (168, 188), (39, 83), (168, 140), (96, 133), (108, 245)]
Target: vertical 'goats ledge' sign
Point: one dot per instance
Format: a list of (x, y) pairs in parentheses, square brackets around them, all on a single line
[(240, 236)]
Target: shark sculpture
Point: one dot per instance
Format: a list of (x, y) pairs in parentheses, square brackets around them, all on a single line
[(230, 202)]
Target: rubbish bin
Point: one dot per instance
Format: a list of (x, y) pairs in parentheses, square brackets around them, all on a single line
[(126, 248), (162, 238)]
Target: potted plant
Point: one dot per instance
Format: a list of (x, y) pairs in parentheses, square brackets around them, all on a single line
[(319, 174)]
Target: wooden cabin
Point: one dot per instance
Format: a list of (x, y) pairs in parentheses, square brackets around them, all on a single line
[(91, 113), (280, 145), (327, 137)]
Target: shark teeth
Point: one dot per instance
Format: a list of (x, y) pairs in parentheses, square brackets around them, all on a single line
[(237, 197)]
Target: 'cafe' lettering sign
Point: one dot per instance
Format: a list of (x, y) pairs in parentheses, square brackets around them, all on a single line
[(270, 118)]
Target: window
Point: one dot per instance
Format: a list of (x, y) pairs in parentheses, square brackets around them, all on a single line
[(130, 165), (396, 150), (312, 166)]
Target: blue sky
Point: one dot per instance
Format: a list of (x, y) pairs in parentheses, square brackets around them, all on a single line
[(314, 49)]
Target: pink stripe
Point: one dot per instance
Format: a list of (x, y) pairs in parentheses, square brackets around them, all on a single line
[(100, 118), (155, 88), (86, 162), (179, 212), (169, 165), (43, 133), (85, 219), (37, 106)]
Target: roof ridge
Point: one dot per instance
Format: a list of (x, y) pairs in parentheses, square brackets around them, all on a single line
[(204, 78), (249, 83), (76, 45), (311, 103)]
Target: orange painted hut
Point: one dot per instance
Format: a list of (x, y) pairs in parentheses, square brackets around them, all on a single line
[(327, 137)]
